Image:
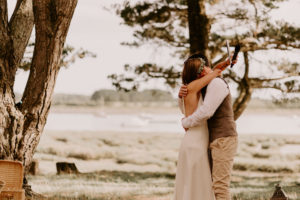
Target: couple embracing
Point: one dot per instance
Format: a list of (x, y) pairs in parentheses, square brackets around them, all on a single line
[(207, 150)]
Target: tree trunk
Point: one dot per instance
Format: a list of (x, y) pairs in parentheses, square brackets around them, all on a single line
[(10, 119), (243, 99), (21, 127), (199, 27), (245, 91)]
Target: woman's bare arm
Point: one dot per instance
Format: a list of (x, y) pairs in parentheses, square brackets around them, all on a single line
[(191, 100), (196, 85), (222, 65)]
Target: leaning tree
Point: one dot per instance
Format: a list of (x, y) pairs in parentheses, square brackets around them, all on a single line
[(21, 125), (209, 24)]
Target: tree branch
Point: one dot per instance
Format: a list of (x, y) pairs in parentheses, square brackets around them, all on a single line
[(256, 17), (21, 25), (262, 80), (253, 44), (269, 87), (245, 91), (232, 76), (52, 24), (4, 42), (246, 60)]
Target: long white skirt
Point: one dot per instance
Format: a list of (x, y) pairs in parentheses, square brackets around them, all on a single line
[(193, 176)]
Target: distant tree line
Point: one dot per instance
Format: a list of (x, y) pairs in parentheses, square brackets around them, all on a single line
[(132, 96), (107, 95), (104, 96)]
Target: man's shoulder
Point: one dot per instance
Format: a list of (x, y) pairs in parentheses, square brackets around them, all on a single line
[(218, 82)]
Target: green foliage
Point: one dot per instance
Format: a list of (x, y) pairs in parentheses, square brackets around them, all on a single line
[(144, 72), (248, 22), (68, 57), (156, 22)]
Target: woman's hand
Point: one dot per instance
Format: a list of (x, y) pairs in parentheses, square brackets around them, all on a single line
[(183, 91), (227, 62), (217, 71), (223, 65), (234, 61), (186, 129)]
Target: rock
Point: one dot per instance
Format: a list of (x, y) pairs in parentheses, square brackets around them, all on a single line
[(66, 168), (34, 167), (279, 194)]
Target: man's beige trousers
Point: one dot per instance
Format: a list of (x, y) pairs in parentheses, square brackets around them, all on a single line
[(223, 151)]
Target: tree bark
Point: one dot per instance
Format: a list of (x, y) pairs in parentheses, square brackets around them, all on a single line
[(9, 117), (52, 19), (21, 127), (13, 41), (199, 27), (20, 26)]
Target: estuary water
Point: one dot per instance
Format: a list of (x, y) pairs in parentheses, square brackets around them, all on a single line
[(253, 123)]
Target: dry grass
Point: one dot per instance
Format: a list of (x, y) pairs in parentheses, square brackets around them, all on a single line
[(142, 166)]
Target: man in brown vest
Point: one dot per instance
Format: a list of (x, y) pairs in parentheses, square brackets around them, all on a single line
[(217, 110)]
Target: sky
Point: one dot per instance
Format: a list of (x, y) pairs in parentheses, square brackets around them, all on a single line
[(101, 32)]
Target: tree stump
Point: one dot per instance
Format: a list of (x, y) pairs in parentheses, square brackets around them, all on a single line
[(34, 167), (66, 168), (279, 194)]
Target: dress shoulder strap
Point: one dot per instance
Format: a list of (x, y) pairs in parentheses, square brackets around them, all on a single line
[(224, 81)]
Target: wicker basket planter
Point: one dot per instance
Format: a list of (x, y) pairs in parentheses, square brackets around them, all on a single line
[(11, 172)]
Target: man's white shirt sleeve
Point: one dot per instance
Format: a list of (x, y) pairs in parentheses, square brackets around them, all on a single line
[(216, 92)]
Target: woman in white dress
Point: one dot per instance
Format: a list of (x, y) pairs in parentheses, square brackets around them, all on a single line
[(193, 176)]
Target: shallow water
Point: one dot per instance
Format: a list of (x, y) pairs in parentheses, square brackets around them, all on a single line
[(144, 122)]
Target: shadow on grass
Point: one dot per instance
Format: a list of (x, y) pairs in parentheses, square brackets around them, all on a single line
[(243, 187), (135, 177)]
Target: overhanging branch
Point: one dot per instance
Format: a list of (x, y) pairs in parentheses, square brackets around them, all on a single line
[(262, 80)]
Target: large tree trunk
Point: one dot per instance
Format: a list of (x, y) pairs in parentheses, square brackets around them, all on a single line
[(11, 120), (52, 19), (199, 27), (21, 127)]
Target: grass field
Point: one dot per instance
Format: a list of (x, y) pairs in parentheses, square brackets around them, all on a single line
[(142, 166)]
